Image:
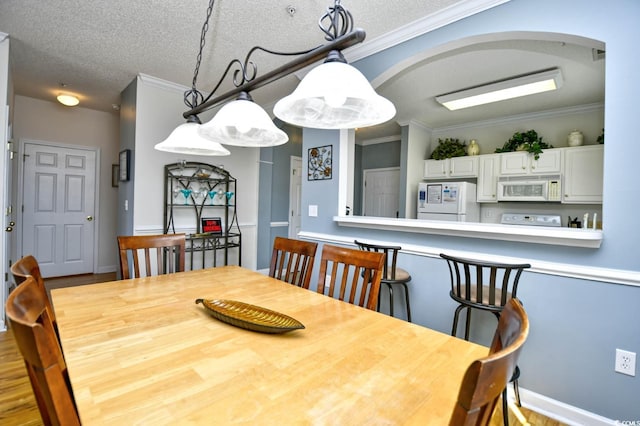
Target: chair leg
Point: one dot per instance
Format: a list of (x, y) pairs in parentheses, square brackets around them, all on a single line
[(505, 408), (468, 325), (454, 329), (390, 287), (406, 297)]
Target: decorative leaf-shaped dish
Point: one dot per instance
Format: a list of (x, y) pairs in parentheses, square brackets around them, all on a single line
[(251, 317)]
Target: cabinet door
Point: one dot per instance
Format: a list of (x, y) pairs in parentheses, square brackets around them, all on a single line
[(549, 162), (514, 163), (436, 169), (488, 170), (583, 172), (463, 166)]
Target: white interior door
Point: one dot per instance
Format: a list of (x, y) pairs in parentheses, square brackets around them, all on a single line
[(58, 208), (295, 197), (380, 192)]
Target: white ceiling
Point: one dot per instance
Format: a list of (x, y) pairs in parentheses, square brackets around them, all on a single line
[(98, 47)]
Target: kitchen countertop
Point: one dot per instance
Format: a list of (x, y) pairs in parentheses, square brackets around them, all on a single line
[(494, 231)]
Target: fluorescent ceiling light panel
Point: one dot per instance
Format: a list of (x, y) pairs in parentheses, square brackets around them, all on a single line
[(502, 90)]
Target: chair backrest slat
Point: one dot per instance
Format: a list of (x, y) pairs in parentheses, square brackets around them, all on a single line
[(169, 248), (292, 261), (360, 274), (486, 378)]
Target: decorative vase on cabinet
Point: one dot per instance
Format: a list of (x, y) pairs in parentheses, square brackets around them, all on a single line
[(575, 138), (473, 148)]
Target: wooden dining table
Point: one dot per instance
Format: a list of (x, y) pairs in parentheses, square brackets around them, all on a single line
[(141, 351)]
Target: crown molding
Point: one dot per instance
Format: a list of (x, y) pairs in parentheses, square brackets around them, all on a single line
[(150, 80), (421, 26), (553, 113), (374, 141)]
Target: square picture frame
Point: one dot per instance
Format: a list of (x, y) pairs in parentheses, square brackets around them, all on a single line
[(125, 160), (115, 175), (320, 163)]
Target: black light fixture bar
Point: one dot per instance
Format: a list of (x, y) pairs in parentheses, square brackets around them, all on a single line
[(350, 39)]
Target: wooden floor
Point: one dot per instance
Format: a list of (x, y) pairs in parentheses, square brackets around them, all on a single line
[(18, 406)]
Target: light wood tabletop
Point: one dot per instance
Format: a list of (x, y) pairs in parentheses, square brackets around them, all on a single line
[(143, 352)]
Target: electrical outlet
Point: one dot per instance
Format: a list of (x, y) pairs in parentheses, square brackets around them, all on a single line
[(625, 362)]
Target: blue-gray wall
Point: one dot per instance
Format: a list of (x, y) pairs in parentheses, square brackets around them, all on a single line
[(273, 198), (576, 324)]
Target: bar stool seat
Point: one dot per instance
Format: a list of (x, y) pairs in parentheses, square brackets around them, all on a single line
[(392, 274)]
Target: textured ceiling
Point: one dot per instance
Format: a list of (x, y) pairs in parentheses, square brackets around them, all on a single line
[(98, 47)]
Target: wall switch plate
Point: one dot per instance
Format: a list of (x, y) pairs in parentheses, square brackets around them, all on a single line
[(313, 210), (625, 362)]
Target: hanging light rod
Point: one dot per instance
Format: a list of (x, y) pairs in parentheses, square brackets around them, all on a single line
[(351, 39)]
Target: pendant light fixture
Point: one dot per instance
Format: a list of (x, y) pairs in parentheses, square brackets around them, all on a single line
[(243, 123), (185, 140), (334, 95)]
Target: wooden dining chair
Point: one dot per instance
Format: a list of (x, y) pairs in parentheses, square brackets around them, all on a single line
[(33, 331), (167, 249), (392, 274), (353, 275), (486, 378), (292, 261), (28, 266)]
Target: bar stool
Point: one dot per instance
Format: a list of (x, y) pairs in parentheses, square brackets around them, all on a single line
[(487, 286), (392, 275)]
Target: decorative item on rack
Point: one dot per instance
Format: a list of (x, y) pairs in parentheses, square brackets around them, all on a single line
[(575, 138), (473, 148), (332, 96)]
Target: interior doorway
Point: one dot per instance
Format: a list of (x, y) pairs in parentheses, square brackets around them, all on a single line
[(59, 183), (380, 192)]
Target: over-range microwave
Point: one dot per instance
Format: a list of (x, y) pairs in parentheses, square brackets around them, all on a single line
[(530, 188)]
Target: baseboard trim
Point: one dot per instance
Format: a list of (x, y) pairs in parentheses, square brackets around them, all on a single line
[(559, 411)]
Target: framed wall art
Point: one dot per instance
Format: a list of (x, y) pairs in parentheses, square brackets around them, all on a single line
[(320, 163), (125, 160)]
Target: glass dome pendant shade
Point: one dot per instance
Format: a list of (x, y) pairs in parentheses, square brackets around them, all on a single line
[(334, 95), (243, 123), (185, 140)]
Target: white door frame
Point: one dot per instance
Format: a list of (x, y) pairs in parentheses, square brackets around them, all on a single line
[(293, 193), (96, 191)]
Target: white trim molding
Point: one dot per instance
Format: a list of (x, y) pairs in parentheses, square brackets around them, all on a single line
[(584, 272)]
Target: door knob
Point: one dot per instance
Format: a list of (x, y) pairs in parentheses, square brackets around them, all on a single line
[(8, 229), (89, 218)]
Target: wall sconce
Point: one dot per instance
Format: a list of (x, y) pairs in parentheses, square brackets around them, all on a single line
[(504, 89), (335, 95)]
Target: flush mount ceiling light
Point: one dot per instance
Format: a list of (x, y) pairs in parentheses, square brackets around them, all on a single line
[(67, 100), (339, 98), (525, 85)]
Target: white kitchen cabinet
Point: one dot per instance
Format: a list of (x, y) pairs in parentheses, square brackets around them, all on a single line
[(451, 168), (583, 173), (488, 171), (524, 163)]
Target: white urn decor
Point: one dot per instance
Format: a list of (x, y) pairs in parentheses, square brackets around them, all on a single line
[(473, 148), (575, 138)]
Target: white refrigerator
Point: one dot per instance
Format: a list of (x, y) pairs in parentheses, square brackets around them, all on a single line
[(452, 201)]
